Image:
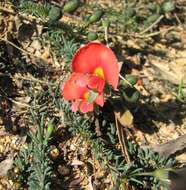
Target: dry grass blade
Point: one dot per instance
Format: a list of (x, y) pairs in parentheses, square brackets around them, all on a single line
[(121, 137)]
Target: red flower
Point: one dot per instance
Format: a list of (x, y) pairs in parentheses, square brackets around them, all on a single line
[(83, 90), (99, 60), (92, 65)]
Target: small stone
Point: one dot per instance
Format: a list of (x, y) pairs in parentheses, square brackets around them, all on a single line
[(36, 45), (16, 170), (38, 53)]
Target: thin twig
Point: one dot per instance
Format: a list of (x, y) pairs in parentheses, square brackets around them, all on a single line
[(179, 21), (154, 33), (22, 50), (123, 78), (34, 80), (149, 35), (18, 103), (121, 138), (152, 25), (119, 135), (13, 101), (106, 35)]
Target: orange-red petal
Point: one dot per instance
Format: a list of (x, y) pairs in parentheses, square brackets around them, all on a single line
[(86, 107), (100, 100), (94, 55), (75, 105), (96, 83), (72, 89)]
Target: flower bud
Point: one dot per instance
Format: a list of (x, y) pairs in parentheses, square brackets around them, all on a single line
[(71, 6), (162, 174), (96, 16), (132, 79), (50, 129), (54, 14), (92, 36)]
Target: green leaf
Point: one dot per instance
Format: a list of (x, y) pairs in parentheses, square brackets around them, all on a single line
[(168, 6), (50, 128), (129, 12), (133, 98), (181, 96), (130, 80), (154, 8), (152, 19)]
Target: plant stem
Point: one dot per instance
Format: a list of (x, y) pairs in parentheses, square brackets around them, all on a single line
[(152, 25), (121, 138)]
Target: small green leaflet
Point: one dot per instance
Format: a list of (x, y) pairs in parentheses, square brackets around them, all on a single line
[(92, 96)]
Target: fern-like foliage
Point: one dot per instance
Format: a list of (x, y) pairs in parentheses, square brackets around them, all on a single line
[(33, 161), (61, 46), (35, 9), (69, 48), (109, 157), (112, 160)]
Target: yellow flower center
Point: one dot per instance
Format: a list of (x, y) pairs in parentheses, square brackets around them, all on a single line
[(85, 95), (99, 72)]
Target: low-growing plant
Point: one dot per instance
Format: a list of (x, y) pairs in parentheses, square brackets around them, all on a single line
[(94, 82), (33, 162)]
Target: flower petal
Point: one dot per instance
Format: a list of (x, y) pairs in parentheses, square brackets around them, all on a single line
[(96, 83), (75, 105), (94, 55), (100, 100), (86, 107), (72, 89)]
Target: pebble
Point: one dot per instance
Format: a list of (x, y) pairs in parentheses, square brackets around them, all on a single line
[(46, 54), (36, 45), (38, 53), (72, 147), (1, 147), (54, 153), (1, 187)]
